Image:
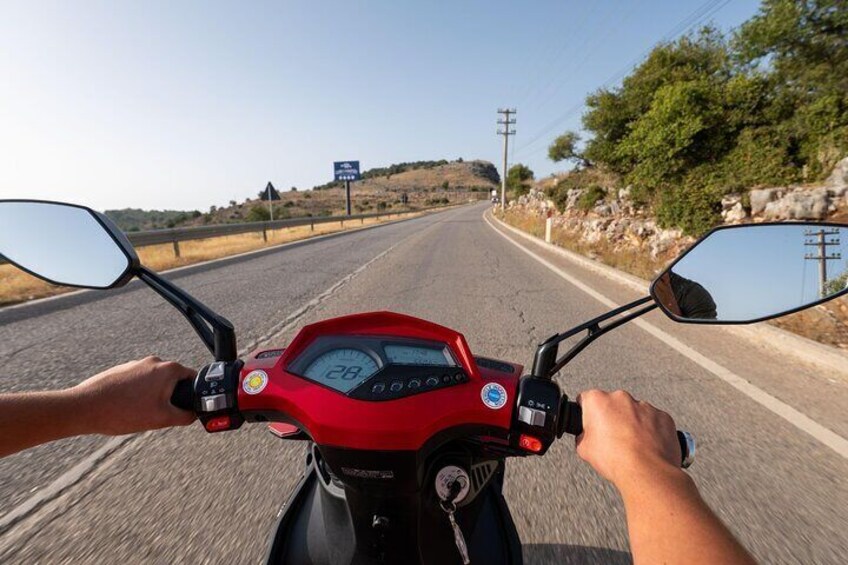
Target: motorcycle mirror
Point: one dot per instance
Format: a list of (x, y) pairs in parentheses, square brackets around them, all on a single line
[(73, 245), (65, 244), (750, 273)]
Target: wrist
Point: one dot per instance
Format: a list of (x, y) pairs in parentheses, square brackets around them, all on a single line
[(649, 475), (81, 411)]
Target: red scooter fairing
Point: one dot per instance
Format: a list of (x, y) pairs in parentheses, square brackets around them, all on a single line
[(335, 418)]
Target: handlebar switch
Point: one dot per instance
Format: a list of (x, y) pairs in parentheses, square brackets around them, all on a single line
[(536, 414), (216, 391)]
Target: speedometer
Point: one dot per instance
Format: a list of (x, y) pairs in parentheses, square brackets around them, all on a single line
[(341, 369), (417, 355)]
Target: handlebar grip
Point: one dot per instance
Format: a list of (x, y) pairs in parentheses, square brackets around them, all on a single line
[(183, 395), (572, 419), (572, 423)]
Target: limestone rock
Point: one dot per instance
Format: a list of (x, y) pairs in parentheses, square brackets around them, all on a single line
[(760, 199), (730, 201), (602, 210), (800, 205), (734, 214), (571, 198), (837, 182)]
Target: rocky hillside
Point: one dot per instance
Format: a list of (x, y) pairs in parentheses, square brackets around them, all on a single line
[(596, 213), (397, 187), (428, 176), (607, 225)]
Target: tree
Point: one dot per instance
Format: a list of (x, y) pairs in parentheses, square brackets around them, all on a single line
[(564, 148), (518, 179), (446, 185), (680, 130), (801, 46), (611, 113)]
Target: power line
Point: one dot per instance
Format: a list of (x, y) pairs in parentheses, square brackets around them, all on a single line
[(582, 49), (583, 56), (554, 54), (706, 10)]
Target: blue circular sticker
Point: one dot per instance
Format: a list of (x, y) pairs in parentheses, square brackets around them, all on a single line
[(494, 396)]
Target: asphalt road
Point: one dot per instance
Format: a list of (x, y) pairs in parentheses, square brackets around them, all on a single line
[(182, 496)]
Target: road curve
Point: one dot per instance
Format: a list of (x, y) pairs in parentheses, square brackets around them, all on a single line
[(182, 496)]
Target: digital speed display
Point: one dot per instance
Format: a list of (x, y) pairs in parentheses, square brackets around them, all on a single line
[(376, 366), (417, 355), (342, 369)]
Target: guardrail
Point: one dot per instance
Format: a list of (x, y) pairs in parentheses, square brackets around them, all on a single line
[(175, 235)]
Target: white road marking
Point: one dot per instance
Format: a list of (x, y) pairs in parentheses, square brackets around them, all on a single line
[(67, 479), (798, 419)]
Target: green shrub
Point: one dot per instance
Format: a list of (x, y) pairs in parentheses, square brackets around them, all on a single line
[(590, 197), (258, 213), (694, 208)]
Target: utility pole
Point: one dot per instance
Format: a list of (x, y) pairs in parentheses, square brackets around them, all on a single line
[(822, 243), (505, 132)]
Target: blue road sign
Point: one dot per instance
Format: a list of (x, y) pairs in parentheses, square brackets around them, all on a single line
[(346, 170)]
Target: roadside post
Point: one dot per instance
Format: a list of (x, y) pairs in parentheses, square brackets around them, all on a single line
[(270, 194), (549, 221), (346, 171)]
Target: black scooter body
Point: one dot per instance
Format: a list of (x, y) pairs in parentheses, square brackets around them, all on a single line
[(316, 527)]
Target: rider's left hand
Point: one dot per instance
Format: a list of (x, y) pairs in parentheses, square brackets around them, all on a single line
[(133, 397)]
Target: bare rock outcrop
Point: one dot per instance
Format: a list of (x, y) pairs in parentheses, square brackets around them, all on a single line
[(619, 223)]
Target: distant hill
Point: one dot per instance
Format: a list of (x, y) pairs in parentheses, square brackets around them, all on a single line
[(134, 219), (428, 175), (420, 184)]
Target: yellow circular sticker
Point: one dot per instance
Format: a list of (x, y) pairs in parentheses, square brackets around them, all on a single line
[(254, 382)]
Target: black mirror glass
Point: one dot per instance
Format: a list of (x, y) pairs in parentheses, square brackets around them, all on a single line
[(745, 274), (63, 244)]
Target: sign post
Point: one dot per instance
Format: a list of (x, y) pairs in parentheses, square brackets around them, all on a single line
[(270, 194), (346, 171)]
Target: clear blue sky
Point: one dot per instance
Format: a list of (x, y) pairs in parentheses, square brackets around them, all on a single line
[(188, 104), (760, 270)]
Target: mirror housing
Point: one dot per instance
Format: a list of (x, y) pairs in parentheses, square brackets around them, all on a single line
[(53, 241), (749, 273), (65, 244)]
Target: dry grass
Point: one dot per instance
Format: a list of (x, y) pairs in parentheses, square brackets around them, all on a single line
[(631, 261), (17, 286)]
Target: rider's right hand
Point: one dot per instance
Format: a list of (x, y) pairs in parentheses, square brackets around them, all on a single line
[(624, 439)]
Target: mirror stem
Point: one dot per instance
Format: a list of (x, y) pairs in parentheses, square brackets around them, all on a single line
[(215, 331), (545, 363)]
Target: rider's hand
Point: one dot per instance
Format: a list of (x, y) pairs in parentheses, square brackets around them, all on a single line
[(133, 397), (624, 439)]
